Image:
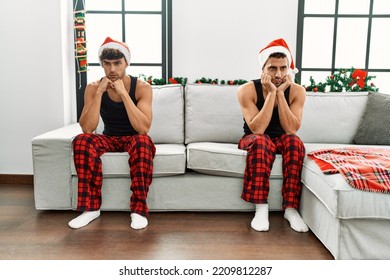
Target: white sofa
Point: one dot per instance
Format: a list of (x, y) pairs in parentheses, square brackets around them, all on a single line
[(198, 166)]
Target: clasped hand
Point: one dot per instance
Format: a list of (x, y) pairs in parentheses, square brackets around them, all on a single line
[(266, 80), (117, 85)]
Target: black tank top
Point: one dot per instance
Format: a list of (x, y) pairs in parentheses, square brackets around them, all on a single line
[(274, 128), (114, 115)]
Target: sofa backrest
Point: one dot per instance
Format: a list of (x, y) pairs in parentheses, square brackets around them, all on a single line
[(332, 117), (212, 114), (168, 114)]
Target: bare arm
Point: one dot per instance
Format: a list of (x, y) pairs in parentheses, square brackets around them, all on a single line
[(140, 115), (257, 121), (89, 118), (290, 115)]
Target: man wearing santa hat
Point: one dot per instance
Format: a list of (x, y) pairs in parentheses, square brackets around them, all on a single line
[(272, 109), (125, 106)]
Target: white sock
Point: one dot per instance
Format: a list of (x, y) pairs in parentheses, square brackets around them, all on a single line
[(84, 219), (138, 221), (296, 222), (260, 221)]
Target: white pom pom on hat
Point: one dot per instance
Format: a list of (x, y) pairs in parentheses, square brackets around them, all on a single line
[(113, 44), (278, 45)]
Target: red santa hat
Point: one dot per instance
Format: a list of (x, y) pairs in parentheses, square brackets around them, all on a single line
[(275, 46), (113, 44)]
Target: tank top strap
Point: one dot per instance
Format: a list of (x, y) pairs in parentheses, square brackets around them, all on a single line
[(259, 91)]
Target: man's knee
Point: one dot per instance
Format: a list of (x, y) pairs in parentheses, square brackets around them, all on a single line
[(262, 141), (82, 139), (143, 142), (292, 140)]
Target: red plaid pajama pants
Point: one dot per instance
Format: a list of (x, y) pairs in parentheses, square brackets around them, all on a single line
[(87, 149), (260, 157)]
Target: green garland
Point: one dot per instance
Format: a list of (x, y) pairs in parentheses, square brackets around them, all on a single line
[(183, 81), (234, 82), (222, 82), (206, 81), (344, 80)]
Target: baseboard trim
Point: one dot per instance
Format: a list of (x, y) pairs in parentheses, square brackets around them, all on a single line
[(16, 179)]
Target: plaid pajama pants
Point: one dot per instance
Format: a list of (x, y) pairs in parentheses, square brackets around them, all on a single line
[(260, 157), (87, 149)]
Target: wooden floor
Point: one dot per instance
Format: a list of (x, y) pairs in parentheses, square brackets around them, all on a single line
[(26, 233)]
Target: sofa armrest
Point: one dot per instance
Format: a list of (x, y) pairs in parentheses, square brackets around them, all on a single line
[(52, 167)]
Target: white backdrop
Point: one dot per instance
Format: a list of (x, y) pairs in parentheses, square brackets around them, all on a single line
[(211, 38), (221, 38), (37, 77)]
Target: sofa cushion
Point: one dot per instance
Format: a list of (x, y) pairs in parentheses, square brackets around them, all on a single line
[(168, 115), (339, 113), (339, 198), (213, 114), (170, 159), (374, 127), (223, 159)]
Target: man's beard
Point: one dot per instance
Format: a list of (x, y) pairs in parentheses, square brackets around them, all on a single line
[(277, 82), (114, 77)]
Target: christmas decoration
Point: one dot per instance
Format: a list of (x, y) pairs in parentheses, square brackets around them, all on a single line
[(222, 82), (234, 82), (178, 80), (155, 81), (204, 80), (183, 81), (80, 42), (344, 80)]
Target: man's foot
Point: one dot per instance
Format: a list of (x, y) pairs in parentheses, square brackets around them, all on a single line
[(296, 222), (138, 221), (260, 221), (84, 219)]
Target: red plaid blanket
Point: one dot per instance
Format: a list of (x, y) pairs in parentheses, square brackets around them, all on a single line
[(364, 168)]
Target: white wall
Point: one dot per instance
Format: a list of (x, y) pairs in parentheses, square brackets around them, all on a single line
[(37, 76), (222, 38), (211, 38)]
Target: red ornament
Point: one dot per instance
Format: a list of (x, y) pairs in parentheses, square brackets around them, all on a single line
[(332, 77), (359, 75), (315, 89), (361, 83), (172, 81)]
